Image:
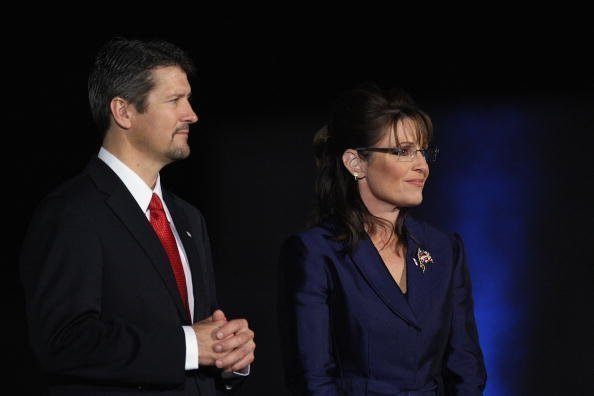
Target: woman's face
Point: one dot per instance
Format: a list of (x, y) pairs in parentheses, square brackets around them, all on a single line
[(392, 182)]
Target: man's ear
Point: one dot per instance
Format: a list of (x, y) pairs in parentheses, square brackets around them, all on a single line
[(121, 112), (354, 163)]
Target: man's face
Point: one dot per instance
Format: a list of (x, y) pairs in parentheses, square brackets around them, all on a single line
[(161, 131)]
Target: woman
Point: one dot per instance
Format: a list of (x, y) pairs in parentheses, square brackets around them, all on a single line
[(373, 301)]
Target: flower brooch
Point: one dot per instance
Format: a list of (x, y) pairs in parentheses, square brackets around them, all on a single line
[(424, 259)]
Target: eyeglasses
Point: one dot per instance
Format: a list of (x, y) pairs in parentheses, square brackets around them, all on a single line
[(405, 154)]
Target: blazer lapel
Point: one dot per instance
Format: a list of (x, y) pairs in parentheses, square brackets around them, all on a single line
[(126, 209), (420, 282), (369, 262), (195, 259)]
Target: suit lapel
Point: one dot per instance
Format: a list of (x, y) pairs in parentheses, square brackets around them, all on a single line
[(126, 209), (369, 262)]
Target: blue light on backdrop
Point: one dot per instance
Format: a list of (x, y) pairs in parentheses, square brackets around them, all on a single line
[(486, 186)]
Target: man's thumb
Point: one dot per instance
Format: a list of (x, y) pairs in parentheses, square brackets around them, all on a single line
[(218, 315)]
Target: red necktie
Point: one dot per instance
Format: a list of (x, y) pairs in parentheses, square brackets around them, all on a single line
[(161, 226)]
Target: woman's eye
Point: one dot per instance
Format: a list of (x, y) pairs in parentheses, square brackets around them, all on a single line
[(403, 151)]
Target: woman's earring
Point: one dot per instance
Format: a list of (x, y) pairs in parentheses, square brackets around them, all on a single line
[(356, 176)]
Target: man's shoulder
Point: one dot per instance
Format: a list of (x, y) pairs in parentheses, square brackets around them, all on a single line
[(66, 205), (72, 191), (81, 185)]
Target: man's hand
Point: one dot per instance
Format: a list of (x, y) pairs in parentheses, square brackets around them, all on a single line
[(237, 345), (206, 331), (229, 345)]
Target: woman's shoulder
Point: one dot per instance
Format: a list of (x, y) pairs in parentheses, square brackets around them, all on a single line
[(313, 238), (426, 233), (318, 233)]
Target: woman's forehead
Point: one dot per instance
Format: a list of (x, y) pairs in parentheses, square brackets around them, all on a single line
[(404, 130)]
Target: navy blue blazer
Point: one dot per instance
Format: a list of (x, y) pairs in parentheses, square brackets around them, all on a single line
[(348, 329)]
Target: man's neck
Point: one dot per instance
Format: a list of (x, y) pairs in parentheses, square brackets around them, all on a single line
[(144, 167)]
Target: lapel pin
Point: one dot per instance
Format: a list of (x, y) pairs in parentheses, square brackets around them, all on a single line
[(188, 234), (424, 258)]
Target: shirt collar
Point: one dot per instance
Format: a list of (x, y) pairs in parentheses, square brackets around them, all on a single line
[(141, 192)]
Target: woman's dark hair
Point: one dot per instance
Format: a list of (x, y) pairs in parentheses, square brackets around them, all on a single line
[(123, 67), (360, 118)]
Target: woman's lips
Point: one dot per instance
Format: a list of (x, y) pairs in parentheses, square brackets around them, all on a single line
[(417, 182)]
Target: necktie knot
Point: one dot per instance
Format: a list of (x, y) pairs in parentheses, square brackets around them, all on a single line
[(155, 203)]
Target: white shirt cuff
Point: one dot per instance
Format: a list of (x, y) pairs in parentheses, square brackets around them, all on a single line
[(242, 373), (191, 348)]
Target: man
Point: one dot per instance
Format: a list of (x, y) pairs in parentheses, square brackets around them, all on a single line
[(117, 272)]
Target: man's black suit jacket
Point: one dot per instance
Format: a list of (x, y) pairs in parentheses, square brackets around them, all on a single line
[(103, 309)]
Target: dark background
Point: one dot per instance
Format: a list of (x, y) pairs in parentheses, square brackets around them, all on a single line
[(512, 99)]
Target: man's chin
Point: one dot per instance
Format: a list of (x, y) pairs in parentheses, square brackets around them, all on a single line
[(180, 153)]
